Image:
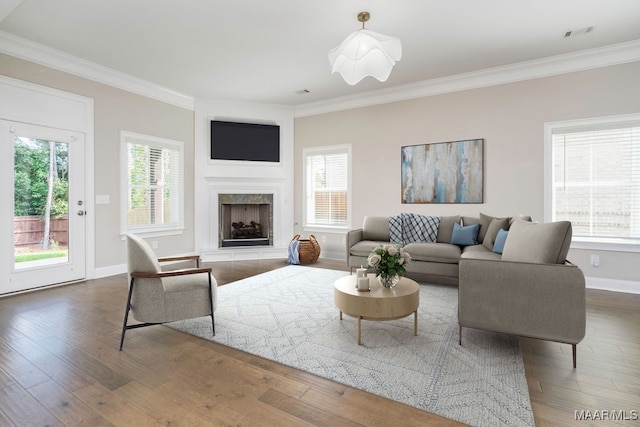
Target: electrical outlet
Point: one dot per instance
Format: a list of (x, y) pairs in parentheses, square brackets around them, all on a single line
[(595, 260)]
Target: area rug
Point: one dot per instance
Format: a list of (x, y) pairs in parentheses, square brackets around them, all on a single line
[(288, 316)]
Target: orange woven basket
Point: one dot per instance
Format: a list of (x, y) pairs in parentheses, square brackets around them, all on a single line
[(309, 249)]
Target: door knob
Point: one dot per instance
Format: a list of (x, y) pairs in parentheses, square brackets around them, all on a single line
[(80, 213)]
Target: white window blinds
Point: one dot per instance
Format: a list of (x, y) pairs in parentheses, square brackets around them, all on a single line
[(154, 183), (596, 180), (327, 187)]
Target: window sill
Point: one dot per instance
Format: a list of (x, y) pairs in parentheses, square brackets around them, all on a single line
[(612, 245), (326, 229), (156, 232)]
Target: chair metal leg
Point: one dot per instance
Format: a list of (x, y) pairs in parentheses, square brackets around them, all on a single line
[(459, 334), (126, 314), (574, 346), (213, 323)]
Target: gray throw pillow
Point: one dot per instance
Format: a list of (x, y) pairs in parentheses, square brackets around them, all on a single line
[(445, 230), (376, 228), (485, 221)]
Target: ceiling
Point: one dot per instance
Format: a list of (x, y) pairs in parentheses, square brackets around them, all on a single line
[(269, 51)]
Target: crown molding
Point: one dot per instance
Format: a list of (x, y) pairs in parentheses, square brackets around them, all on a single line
[(7, 7), (34, 52), (545, 67)]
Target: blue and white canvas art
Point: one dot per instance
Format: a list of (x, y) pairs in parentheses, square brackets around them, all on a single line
[(444, 172)]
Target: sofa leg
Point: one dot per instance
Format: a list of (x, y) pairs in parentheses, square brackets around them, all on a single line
[(459, 334), (574, 354)]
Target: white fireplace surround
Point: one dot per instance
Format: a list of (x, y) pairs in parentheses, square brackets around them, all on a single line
[(213, 177), (281, 232)]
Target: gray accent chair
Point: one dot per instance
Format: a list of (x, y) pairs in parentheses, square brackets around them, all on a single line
[(532, 291), (157, 296)]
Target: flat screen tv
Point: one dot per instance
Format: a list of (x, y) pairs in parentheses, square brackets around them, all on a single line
[(245, 141)]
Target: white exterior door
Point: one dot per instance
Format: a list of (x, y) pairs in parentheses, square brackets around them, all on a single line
[(43, 229)]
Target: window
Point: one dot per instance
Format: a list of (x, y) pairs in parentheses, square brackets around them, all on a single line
[(327, 175), (153, 185), (595, 178)]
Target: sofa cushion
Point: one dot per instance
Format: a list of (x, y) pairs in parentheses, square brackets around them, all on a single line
[(470, 220), (522, 217), (445, 230), (542, 243), (495, 225), (501, 239), (434, 252), (376, 228), (479, 252), (364, 247), (465, 235)]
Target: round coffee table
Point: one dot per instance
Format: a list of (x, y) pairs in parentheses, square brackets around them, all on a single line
[(379, 303)]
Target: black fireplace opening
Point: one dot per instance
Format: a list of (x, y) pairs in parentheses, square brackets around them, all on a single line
[(245, 224)]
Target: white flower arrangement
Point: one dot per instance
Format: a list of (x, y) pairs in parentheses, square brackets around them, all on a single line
[(388, 260)]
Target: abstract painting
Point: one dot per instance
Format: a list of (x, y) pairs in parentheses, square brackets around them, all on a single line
[(444, 172)]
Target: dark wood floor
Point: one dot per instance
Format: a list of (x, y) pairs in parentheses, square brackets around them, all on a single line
[(60, 366)]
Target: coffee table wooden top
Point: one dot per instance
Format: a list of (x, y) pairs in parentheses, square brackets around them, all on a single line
[(379, 303)]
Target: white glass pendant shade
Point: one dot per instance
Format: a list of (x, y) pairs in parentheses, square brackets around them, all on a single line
[(365, 53)]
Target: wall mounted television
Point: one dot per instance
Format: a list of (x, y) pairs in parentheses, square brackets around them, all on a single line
[(245, 141)]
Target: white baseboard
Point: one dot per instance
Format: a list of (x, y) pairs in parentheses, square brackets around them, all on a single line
[(336, 256), (243, 253), (111, 270), (627, 286)]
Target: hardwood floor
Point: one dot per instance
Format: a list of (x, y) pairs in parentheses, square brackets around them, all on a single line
[(60, 366)]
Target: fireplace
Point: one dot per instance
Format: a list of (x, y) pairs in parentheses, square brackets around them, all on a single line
[(245, 220)]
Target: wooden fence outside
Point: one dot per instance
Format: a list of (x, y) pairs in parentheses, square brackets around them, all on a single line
[(29, 230)]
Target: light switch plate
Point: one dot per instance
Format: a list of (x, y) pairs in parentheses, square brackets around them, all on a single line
[(103, 199)]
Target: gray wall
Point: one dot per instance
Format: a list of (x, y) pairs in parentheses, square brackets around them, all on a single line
[(116, 110), (509, 117)]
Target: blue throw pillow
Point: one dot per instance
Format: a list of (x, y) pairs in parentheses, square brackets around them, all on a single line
[(465, 236), (501, 238)]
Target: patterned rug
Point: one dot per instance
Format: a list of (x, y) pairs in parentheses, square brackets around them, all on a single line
[(288, 315)]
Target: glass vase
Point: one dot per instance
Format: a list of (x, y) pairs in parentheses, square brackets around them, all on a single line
[(388, 281)]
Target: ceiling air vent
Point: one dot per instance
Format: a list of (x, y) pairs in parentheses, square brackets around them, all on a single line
[(579, 32)]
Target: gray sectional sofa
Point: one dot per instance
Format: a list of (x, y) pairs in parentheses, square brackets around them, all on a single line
[(525, 288), (440, 258)]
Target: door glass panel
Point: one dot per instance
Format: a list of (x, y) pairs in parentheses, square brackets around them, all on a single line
[(41, 202)]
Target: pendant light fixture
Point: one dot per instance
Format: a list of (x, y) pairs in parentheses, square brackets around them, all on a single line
[(365, 53)]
